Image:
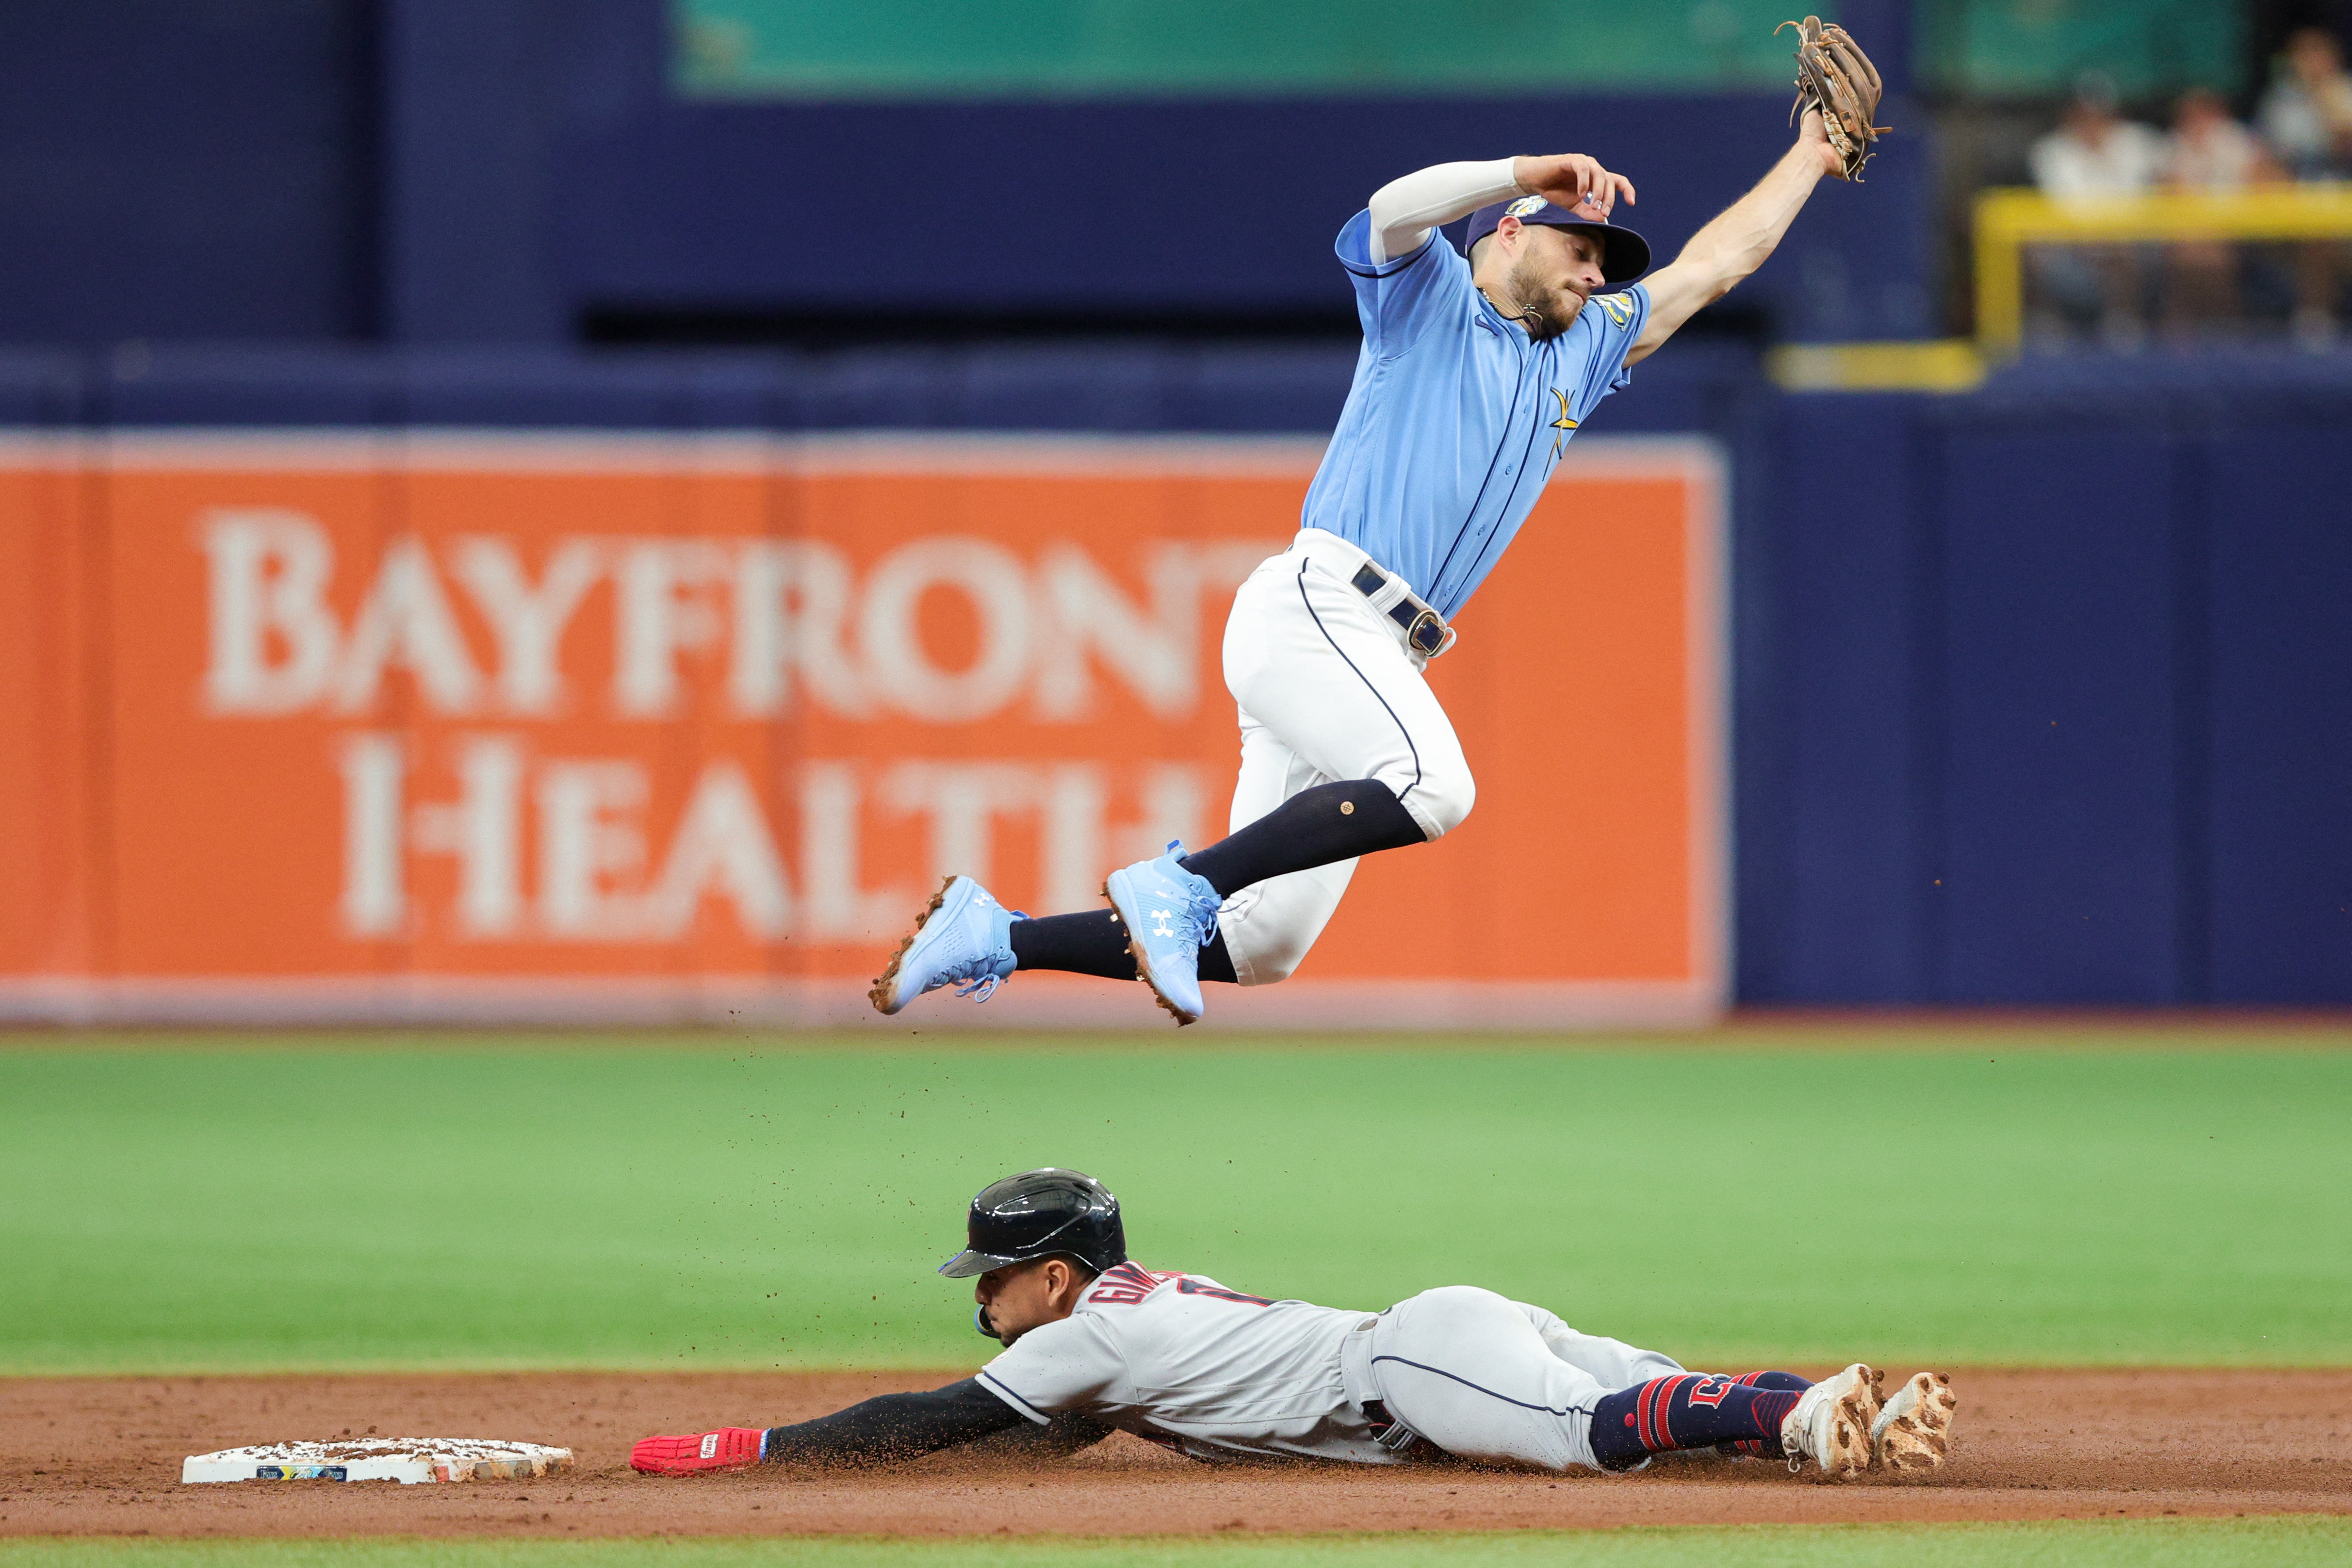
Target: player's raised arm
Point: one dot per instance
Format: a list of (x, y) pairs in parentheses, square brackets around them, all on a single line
[(1405, 209), (1738, 239)]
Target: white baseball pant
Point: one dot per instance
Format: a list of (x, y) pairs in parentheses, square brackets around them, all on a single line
[(1498, 1381), (1328, 691)]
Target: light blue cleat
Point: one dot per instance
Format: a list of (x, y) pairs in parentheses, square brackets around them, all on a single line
[(1170, 914), (964, 938)]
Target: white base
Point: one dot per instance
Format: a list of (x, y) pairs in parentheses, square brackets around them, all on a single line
[(408, 1461)]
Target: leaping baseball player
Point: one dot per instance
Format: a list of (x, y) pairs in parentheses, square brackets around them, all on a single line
[(1095, 1343), (1476, 373)]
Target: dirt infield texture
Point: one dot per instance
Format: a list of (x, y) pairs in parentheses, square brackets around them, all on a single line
[(101, 1457)]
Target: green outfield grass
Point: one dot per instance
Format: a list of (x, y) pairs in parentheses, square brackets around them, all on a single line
[(484, 1202), (2289, 1542)]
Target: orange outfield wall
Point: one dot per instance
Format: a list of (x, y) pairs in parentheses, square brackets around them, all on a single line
[(639, 728)]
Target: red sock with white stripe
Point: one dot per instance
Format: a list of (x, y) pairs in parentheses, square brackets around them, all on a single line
[(1690, 1410)]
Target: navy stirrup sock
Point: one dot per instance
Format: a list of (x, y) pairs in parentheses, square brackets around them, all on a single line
[(1314, 827), (1783, 1381), (1692, 1410), (1094, 942)]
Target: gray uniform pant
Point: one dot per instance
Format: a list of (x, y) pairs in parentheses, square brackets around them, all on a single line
[(1491, 1379)]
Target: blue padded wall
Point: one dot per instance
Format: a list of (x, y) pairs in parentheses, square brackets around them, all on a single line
[(2058, 801), (2053, 709), (2279, 690), (488, 171), (1102, 206), (186, 169), (1830, 861)]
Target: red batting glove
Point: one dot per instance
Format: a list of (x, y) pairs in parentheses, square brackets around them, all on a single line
[(729, 1448)]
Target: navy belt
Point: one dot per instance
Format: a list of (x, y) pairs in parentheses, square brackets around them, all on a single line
[(1425, 629)]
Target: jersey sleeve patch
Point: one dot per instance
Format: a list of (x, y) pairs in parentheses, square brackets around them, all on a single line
[(1603, 335), (1617, 308)]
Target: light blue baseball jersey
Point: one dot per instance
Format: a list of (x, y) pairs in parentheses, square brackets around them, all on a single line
[(1456, 417)]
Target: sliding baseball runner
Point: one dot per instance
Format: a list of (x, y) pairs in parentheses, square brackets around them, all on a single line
[(1476, 373), (1095, 1343)]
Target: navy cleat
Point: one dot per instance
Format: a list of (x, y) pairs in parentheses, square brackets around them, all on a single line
[(964, 938), (1170, 914)]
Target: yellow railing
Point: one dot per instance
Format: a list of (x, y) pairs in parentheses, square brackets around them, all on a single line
[(2010, 220), (1949, 364)]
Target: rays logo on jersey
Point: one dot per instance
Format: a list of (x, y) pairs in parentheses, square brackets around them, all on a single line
[(1564, 425), (1620, 309)]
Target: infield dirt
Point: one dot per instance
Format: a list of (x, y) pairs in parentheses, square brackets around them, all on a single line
[(101, 1457)]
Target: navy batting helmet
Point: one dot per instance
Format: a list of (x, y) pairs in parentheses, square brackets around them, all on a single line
[(1041, 1213)]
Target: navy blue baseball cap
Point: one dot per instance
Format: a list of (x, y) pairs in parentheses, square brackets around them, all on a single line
[(1624, 255)]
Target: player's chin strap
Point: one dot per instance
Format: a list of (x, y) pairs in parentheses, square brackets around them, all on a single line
[(1532, 317)]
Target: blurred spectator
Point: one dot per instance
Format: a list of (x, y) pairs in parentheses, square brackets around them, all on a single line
[(2095, 153), (2207, 154), (2307, 117)]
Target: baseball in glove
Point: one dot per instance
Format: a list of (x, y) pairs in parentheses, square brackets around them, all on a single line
[(1836, 76)]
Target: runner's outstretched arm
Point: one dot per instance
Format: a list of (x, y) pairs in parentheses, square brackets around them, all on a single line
[(894, 1427)]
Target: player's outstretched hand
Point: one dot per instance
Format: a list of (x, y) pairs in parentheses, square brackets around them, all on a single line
[(1564, 179), (1814, 134)]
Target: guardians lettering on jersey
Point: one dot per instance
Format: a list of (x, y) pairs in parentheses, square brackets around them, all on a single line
[(1130, 1283)]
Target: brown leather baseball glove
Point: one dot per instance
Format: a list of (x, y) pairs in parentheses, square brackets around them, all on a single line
[(1836, 76)]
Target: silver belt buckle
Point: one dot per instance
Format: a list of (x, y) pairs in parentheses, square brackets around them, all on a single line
[(1428, 634)]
